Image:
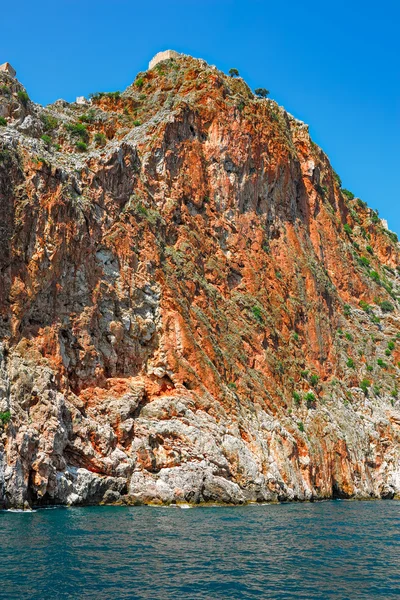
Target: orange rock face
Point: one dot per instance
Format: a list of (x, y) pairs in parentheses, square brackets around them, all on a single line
[(191, 308)]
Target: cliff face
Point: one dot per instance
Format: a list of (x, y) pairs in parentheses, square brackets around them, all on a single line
[(191, 308)]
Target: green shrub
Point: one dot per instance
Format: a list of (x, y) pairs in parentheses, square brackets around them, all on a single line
[(347, 229), (365, 306), (304, 374), (233, 72), (310, 399), (365, 261), (49, 122), (81, 146), (348, 194), (375, 276), (393, 236), (361, 203), (364, 385), (388, 352), (5, 90), (349, 337), (350, 363), (114, 95), (261, 92), (370, 368), (3, 122), (337, 179), (391, 345), (314, 379), (347, 310), (381, 363), (386, 306), (78, 130), (88, 117), (139, 83), (100, 139), (46, 139), (369, 249), (136, 123), (295, 336), (5, 417), (232, 385), (296, 398), (23, 97), (257, 313), (300, 426), (375, 217)]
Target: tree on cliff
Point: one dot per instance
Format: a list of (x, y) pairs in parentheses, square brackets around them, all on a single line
[(261, 92), (233, 72)]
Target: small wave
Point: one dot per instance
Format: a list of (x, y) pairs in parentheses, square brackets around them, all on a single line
[(19, 510)]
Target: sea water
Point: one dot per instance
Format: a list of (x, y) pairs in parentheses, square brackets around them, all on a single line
[(341, 550)]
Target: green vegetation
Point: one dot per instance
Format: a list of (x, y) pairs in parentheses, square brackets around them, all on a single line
[(23, 97), (81, 146), (365, 261), (300, 426), (232, 385), (349, 195), (46, 139), (375, 276), (364, 385), (3, 122), (348, 337), (347, 310), (5, 417), (49, 122), (388, 352), (381, 363), (100, 139), (347, 229), (261, 92), (136, 123), (295, 336), (350, 363), (257, 313), (233, 72), (361, 203), (310, 399), (391, 345), (78, 130), (314, 379), (386, 306), (365, 306), (88, 117), (369, 249), (393, 236), (337, 179), (375, 217), (297, 398), (5, 90), (139, 83)]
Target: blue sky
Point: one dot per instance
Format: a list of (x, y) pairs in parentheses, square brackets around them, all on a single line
[(332, 64)]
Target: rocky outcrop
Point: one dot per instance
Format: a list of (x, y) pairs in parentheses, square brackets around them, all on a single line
[(192, 309)]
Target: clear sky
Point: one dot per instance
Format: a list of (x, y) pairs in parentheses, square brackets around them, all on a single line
[(333, 64)]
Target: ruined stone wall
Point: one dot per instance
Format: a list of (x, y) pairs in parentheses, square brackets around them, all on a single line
[(160, 56)]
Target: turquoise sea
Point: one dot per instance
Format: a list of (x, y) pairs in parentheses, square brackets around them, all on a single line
[(338, 549)]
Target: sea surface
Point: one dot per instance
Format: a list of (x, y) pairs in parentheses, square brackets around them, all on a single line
[(322, 550)]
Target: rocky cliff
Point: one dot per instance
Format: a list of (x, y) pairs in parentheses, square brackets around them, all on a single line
[(192, 309)]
